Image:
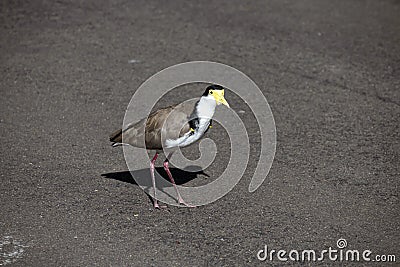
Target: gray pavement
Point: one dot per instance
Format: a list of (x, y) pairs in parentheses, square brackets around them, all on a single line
[(329, 69)]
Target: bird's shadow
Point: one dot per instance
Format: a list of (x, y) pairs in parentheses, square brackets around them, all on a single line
[(180, 176), (143, 177)]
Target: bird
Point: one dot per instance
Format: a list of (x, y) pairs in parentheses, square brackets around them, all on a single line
[(171, 128)]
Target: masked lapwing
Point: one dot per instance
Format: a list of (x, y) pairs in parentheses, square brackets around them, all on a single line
[(170, 128)]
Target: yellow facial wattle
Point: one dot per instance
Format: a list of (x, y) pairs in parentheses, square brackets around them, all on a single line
[(219, 97)]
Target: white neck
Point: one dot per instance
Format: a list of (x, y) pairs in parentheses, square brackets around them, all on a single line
[(206, 107)]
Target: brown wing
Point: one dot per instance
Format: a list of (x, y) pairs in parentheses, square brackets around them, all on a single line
[(154, 126), (166, 123)]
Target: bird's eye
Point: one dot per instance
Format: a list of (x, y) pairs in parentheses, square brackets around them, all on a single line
[(211, 92)]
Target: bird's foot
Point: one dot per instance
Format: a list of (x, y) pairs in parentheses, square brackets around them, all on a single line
[(182, 202), (157, 206)]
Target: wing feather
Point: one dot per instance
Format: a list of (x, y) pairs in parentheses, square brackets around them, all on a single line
[(167, 123)]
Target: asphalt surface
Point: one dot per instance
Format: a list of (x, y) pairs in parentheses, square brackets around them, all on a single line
[(330, 72)]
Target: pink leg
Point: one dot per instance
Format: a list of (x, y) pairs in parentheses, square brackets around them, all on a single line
[(154, 181), (166, 168)]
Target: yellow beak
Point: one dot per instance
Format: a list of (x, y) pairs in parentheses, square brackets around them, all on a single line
[(219, 97)]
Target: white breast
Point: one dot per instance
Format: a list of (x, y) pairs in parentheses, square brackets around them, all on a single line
[(189, 137)]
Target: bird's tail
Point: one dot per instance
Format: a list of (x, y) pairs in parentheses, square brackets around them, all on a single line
[(116, 137)]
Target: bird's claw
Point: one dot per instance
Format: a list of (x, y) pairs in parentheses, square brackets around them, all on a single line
[(182, 202), (157, 206)]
